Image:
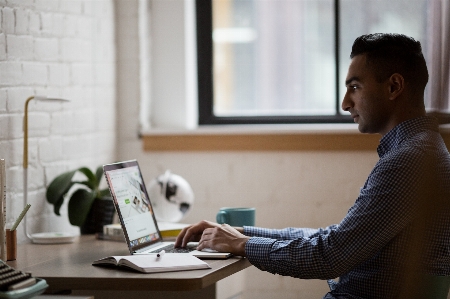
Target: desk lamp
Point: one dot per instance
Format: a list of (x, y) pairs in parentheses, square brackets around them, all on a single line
[(43, 238)]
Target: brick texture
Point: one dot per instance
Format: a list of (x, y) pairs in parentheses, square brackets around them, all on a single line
[(62, 49)]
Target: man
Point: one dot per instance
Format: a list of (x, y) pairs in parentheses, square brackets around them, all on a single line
[(396, 236)]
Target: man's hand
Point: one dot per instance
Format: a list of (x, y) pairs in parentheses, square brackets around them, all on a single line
[(222, 238), (193, 233)]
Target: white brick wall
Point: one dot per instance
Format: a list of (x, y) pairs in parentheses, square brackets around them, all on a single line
[(63, 49)]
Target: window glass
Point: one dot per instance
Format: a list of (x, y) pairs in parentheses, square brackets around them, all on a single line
[(277, 57), (358, 17), (273, 57)]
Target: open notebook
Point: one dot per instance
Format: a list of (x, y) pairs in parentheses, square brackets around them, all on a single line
[(136, 214)]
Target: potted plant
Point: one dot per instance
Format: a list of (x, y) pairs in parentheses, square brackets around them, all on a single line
[(89, 206)]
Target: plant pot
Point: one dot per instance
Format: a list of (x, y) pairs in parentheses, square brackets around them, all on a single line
[(101, 213)]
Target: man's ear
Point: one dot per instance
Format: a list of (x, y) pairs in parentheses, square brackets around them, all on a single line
[(396, 86)]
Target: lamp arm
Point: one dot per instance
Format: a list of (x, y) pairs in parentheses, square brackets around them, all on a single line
[(25, 161), (25, 133)]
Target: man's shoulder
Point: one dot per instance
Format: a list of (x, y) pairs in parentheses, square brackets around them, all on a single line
[(418, 152)]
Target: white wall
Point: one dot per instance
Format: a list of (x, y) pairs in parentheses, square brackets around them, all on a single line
[(62, 49)]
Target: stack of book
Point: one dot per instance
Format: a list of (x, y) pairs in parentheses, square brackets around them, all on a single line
[(114, 232)]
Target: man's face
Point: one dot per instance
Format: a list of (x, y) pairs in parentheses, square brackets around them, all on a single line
[(366, 99)]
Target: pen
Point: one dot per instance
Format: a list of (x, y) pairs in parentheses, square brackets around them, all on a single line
[(161, 253), (25, 210)]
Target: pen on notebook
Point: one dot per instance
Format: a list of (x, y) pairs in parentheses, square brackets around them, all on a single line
[(25, 210), (161, 253)]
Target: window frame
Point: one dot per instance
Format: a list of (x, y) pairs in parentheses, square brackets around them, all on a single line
[(206, 115)]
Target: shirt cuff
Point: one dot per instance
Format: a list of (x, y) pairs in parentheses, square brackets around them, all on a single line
[(258, 251)]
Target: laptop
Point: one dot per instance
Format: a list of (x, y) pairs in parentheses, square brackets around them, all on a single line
[(136, 214)]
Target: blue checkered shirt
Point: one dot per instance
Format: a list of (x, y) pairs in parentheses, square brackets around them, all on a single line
[(369, 250)]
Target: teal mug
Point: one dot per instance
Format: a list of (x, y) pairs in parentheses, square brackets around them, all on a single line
[(236, 216)]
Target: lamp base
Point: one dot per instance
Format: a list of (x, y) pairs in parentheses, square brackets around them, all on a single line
[(53, 238)]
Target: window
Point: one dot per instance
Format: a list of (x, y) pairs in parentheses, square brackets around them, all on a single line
[(284, 61)]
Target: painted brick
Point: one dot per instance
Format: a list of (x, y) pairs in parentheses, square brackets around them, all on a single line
[(2, 46), (38, 124), (75, 94), (77, 147), (70, 25), (14, 179), (85, 27), (46, 49), (104, 73), (75, 7), (35, 74), (10, 73), (4, 121), (50, 150), (22, 21), (73, 122), (82, 74), (75, 50), (14, 152), (8, 20), (46, 5), (3, 101), (69, 40), (84, 120), (15, 126), (35, 173), (35, 23), (62, 123), (21, 3), (59, 74), (58, 25), (17, 98), (19, 47), (46, 23), (85, 49)]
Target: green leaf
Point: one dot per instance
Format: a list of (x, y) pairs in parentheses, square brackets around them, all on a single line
[(99, 174), (104, 193), (57, 206), (80, 204), (92, 179), (87, 184), (58, 188)]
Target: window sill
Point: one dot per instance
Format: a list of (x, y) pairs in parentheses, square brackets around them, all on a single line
[(314, 137)]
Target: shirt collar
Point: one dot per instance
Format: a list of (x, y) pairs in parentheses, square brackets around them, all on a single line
[(404, 130)]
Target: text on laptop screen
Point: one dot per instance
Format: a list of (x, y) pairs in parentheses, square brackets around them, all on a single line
[(128, 190)]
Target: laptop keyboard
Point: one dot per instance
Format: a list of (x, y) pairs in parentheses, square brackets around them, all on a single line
[(171, 249)]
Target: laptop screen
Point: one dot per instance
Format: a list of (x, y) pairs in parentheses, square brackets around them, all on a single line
[(132, 204)]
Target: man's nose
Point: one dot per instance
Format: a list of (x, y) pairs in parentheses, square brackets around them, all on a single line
[(346, 102)]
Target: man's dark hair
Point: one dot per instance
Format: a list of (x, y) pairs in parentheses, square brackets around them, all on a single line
[(393, 53)]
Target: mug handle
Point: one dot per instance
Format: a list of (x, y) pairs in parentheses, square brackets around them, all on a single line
[(222, 217)]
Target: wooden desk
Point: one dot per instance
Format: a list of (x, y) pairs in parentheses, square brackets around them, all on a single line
[(69, 267)]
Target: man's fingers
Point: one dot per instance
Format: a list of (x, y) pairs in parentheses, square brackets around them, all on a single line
[(192, 233)]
